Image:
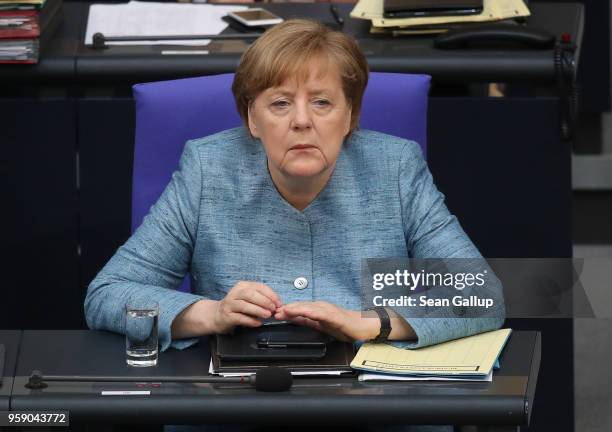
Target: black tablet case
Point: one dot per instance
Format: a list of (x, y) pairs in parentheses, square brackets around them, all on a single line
[(337, 355), (242, 344)]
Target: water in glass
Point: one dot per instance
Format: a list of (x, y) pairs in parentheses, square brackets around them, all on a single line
[(141, 336)]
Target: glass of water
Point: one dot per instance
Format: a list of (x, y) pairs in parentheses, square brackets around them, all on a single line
[(141, 317)]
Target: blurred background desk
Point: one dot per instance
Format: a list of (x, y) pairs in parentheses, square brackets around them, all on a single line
[(68, 150), (502, 405)]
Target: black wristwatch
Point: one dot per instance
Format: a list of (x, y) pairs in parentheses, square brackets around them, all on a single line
[(385, 324)]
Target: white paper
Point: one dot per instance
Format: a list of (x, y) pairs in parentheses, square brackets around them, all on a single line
[(157, 19), (294, 373), (125, 392), (366, 376), (16, 50), (185, 52)]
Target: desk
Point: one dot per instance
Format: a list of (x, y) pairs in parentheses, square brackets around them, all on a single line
[(504, 404), (10, 339), (67, 60), (384, 54)]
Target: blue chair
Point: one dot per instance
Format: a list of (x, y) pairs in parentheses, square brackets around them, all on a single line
[(168, 113)]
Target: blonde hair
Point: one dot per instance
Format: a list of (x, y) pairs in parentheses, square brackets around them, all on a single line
[(285, 50)]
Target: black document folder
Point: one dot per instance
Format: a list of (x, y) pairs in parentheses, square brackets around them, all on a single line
[(430, 8), (245, 351)]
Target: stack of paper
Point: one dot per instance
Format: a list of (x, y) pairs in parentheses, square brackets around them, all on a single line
[(138, 18), (25, 26), (19, 51), (467, 359), (493, 10), (211, 370), (21, 4)]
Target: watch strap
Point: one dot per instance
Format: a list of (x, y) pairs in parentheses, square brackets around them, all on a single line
[(385, 324)]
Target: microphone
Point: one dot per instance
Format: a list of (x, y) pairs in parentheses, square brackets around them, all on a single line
[(269, 379), (272, 379)]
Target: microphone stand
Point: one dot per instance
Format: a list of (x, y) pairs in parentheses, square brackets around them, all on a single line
[(100, 40), (267, 379), (37, 380)]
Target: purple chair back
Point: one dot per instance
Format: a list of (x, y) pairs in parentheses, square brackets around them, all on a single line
[(168, 113)]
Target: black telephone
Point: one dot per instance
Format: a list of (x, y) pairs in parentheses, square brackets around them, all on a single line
[(495, 36)]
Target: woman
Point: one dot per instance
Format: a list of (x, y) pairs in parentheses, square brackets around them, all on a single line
[(272, 219)]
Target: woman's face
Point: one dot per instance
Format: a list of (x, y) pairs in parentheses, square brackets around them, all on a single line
[(302, 124)]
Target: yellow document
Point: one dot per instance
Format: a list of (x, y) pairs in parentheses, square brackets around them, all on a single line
[(493, 10), (470, 356)]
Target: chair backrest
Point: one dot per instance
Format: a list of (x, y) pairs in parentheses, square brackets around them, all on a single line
[(168, 113)]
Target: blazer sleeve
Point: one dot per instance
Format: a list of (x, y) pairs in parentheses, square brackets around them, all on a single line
[(155, 259), (431, 231)]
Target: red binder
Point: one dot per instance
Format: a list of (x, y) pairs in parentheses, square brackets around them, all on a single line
[(26, 32), (26, 25)]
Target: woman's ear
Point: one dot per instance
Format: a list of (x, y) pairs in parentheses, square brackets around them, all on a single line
[(251, 122), (349, 120)]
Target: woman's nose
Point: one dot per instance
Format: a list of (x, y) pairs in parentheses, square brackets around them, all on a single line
[(301, 117)]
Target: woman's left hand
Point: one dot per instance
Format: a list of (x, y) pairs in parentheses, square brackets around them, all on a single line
[(342, 324)]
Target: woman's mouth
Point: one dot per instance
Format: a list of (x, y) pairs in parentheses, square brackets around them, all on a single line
[(302, 147)]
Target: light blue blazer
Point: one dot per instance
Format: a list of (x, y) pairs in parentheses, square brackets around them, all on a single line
[(222, 220)]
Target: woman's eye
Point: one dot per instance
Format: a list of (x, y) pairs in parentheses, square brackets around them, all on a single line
[(322, 102), (280, 104)]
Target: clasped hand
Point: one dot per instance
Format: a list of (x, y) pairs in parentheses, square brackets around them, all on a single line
[(249, 302)]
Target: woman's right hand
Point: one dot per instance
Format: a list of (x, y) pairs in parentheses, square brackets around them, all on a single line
[(245, 305)]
